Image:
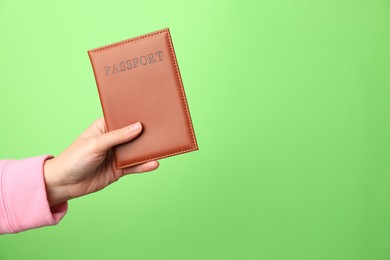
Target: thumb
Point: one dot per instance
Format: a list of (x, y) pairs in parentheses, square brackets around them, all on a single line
[(108, 140)]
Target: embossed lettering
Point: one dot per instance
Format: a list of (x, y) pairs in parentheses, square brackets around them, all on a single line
[(133, 62), (122, 65), (107, 70), (115, 69), (129, 64), (159, 54), (151, 58), (143, 58)]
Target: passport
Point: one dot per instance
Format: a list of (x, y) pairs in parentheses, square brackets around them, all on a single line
[(138, 79)]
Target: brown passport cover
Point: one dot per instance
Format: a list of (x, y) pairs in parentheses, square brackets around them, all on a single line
[(139, 80)]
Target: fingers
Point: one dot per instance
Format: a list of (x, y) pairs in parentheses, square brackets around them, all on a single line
[(96, 128), (107, 140), (145, 167)]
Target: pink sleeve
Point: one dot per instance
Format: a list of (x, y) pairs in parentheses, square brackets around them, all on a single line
[(23, 200)]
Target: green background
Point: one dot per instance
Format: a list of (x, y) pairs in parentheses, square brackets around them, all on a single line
[(290, 104)]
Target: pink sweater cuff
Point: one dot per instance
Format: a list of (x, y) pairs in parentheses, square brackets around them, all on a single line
[(23, 199)]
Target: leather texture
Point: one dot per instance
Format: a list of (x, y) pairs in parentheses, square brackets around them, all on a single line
[(139, 80)]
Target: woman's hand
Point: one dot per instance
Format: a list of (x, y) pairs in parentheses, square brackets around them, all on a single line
[(87, 165)]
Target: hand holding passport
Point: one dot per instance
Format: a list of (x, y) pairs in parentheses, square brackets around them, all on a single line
[(139, 80)]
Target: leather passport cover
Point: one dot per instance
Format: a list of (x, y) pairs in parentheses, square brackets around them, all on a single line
[(139, 80)]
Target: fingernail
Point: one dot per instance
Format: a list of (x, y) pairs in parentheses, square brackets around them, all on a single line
[(135, 127)]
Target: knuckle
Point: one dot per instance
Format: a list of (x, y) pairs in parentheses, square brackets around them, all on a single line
[(93, 143), (99, 120)]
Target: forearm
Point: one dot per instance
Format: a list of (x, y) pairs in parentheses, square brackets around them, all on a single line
[(24, 203)]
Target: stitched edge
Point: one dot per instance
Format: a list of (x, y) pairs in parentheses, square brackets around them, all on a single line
[(127, 41), (182, 90), (157, 157), (4, 198), (184, 102)]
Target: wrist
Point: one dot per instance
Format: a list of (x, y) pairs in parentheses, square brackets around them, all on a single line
[(55, 188)]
